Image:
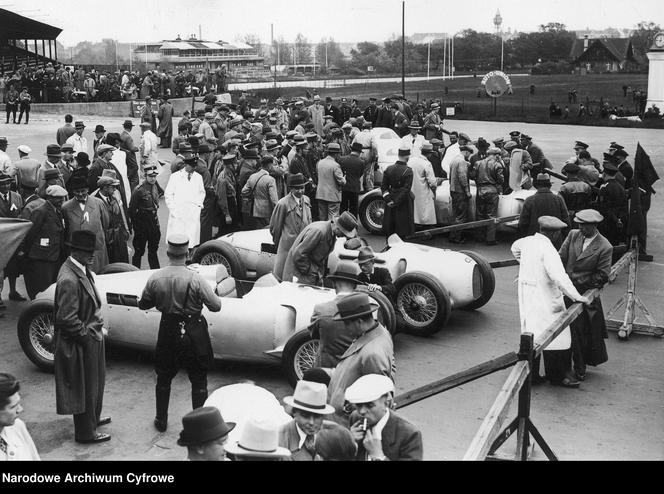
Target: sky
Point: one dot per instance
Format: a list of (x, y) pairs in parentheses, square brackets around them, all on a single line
[(342, 20)]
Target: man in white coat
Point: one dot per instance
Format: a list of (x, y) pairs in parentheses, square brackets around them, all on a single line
[(542, 284), (414, 140), (424, 189), (184, 197), (149, 146)]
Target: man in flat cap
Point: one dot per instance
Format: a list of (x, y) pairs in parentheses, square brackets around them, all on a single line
[(381, 434), (27, 168), (542, 284), (586, 255), (126, 144), (259, 196), (43, 248), (372, 352), (543, 203), (612, 203), (117, 233), (180, 294), (396, 190), (489, 178)]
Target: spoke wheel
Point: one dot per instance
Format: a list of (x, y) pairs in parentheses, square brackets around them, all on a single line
[(423, 303), (36, 333), (42, 334), (305, 357), (214, 259), (375, 213), (417, 304)]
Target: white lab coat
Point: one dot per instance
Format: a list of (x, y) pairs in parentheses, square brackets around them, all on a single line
[(184, 200), (423, 180), (542, 284), (150, 147), (415, 145), (119, 160)]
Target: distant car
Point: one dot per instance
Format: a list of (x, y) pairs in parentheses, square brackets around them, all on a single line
[(265, 324), (430, 282)]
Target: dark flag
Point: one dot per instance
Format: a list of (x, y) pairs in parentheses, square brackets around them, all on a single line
[(645, 174)]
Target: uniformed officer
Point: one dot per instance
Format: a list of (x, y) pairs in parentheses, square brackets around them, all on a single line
[(612, 201), (143, 208), (179, 294), (489, 180)]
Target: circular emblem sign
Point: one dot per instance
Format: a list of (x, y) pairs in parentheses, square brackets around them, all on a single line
[(496, 83)]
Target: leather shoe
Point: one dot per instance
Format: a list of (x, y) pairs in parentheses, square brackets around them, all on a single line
[(99, 438), (569, 382), (160, 425), (103, 421), (17, 297)]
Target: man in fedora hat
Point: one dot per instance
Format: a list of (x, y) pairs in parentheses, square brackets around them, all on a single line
[(334, 339), (586, 255), (290, 216), (179, 294), (543, 203), (331, 179), (307, 258), (365, 139), (77, 140), (423, 189), (316, 112), (68, 161), (401, 121), (352, 167), (53, 162), (309, 409), (142, 213), (372, 352), (102, 163), (204, 434), (433, 123), (414, 139), (396, 189), (84, 212), (258, 441), (117, 233), (381, 434), (11, 205), (542, 283), (80, 361), (100, 132), (612, 203), (43, 248), (376, 278), (225, 191)]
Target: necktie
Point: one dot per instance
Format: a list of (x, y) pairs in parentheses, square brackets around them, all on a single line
[(309, 444), (189, 176), (3, 445)]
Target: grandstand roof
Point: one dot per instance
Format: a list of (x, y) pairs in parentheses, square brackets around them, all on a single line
[(15, 26)]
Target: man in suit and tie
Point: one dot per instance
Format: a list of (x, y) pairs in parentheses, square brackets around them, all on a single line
[(330, 181), (80, 362), (377, 279), (260, 194), (382, 435), (309, 409), (11, 205), (586, 255)]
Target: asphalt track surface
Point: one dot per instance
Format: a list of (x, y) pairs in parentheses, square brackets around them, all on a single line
[(616, 414)]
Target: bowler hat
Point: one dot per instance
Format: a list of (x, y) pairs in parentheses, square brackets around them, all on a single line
[(53, 150), (84, 240), (310, 397), (77, 182), (354, 306), (347, 223), (346, 271), (589, 216), (178, 244), (297, 180), (100, 128), (203, 425)]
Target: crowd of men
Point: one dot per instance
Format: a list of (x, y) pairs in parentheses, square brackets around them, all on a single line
[(298, 170), (62, 83)]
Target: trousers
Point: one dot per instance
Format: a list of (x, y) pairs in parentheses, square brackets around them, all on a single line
[(85, 424), (328, 210), (146, 231), (487, 207), (349, 202), (460, 203)]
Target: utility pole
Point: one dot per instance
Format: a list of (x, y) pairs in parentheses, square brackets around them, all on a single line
[(444, 56), (130, 57), (200, 33), (403, 49), (274, 56), (429, 60)]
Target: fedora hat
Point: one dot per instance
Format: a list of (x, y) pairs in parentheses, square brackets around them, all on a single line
[(272, 144), (53, 150), (356, 147), (128, 123), (178, 244), (414, 125), (297, 180), (259, 438), (77, 182), (543, 179), (354, 306), (333, 148), (347, 223), (310, 397), (79, 125), (84, 240), (366, 254), (203, 425), (346, 271), (51, 173), (100, 128)]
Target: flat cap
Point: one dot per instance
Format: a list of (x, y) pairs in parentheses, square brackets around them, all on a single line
[(464, 137), (551, 223), (510, 145), (368, 388), (56, 191), (581, 145), (102, 148), (24, 149), (589, 216)]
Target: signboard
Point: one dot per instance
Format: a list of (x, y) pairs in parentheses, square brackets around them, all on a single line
[(370, 68), (138, 105), (450, 111), (496, 83)]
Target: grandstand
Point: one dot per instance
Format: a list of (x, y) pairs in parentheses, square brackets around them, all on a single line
[(26, 41)]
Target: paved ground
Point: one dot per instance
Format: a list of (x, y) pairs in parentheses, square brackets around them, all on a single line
[(618, 412)]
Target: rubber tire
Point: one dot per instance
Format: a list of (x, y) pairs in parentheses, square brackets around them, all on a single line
[(35, 308), (117, 267), (288, 356), (442, 299), (238, 268), (488, 281), (386, 311), (363, 211)]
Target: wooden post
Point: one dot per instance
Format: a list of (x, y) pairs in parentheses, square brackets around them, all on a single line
[(522, 437), (50, 53), (628, 321), (44, 52)]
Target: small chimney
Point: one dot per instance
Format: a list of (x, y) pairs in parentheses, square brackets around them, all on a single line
[(585, 42)]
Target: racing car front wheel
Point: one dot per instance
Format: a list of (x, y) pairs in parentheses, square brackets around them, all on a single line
[(386, 314), (299, 355), (217, 252), (372, 212), (487, 280), (36, 334), (422, 302)]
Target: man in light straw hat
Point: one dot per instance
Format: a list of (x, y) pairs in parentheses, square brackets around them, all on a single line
[(259, 441), (204, 434), (414, 139), (381, 434), (372, 352), (309, 408), (542, 284)]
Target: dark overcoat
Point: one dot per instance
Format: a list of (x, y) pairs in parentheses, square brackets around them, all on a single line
[(396, 188)]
